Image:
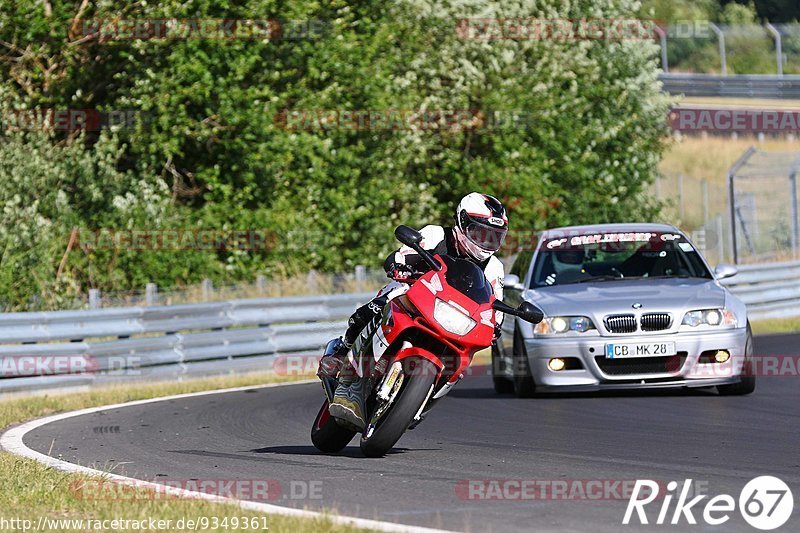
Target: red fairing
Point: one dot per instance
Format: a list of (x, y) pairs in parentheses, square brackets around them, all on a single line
[(422, 296)]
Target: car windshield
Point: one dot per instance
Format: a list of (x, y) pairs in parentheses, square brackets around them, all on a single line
[(467, 278), (614, 256)]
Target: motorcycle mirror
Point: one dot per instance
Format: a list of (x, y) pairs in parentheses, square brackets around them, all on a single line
[(530, 313), (408, 236)]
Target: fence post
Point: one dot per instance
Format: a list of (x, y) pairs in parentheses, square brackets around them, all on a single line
[(361, 276), (94, 299), (261, 284), (311, 279), (208, 289), (720, 240), (705, 201), (662, 36), (151, 294), (778, 48), (721, 39)]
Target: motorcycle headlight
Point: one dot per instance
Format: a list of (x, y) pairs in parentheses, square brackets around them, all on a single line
[(561, 324), (451, 318), (710, 317)]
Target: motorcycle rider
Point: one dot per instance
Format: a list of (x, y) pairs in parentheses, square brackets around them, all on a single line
[(481, 223)]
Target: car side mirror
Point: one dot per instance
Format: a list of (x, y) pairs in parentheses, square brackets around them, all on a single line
[(512, 281), (530, 313), (408, 236), (725, 270)]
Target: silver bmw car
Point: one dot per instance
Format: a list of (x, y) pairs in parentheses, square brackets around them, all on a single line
[(626, 306)]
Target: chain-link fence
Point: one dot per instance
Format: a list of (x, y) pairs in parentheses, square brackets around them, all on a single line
[(752, 216), (764, 206), (704, 47), (359, 279), (699, 207)]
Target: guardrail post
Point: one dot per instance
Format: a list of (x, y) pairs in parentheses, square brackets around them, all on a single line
[(261, 284), (361, 276), (151, 294), (795, 220), (720, 240), (778, 48), (94, 299), (721, 39), (208, 289)]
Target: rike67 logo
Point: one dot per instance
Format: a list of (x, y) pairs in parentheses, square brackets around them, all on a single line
[(765, 503)]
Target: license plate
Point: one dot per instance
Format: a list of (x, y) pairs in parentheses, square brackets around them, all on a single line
[(646, 349)]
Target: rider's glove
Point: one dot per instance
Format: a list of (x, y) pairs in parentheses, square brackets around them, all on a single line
[(401, 272), (497, 332)]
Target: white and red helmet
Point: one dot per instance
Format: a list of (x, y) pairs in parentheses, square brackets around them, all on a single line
[(481, 225)]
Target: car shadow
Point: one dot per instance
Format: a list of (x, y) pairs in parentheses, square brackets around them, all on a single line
[(488, 393)]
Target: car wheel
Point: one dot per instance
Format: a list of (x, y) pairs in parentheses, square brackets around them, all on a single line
[(524, 386), (502, 385), (748, 383)]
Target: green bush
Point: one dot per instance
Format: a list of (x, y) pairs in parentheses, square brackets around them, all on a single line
[(214, 154)]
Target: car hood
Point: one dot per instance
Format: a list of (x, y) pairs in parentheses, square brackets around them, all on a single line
[(598, 299)]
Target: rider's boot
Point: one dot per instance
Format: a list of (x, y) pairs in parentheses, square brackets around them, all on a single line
[(348, 405)]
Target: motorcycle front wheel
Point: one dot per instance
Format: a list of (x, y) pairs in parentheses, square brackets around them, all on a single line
[(419, 376), (327, 435)]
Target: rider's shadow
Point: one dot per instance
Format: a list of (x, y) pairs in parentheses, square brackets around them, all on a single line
[(349, 451)]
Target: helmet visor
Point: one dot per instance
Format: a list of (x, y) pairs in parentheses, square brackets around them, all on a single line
[(487, 237)]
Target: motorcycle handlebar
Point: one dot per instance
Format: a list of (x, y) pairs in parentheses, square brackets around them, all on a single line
[(526, 311), (411, 238)]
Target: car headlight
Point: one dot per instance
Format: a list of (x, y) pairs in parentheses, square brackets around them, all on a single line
[(562, 324), (451, 318), (710, 317)]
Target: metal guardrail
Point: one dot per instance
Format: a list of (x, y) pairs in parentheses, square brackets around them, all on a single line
[(106, 345), (742, 86), (770, 290), (75, 348)]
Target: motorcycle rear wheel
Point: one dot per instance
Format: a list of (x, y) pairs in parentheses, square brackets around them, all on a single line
[(327, 435), (419, 377)]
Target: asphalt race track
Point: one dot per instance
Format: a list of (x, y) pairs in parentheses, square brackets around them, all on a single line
[(721, 442)]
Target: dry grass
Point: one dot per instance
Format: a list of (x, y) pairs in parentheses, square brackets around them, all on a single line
[(30, 490), (710, 158), (776, 325)]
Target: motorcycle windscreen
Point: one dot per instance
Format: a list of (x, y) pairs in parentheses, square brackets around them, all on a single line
[(467, 278)]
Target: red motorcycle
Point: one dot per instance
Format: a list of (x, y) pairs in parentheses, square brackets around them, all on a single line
[(424, 342)]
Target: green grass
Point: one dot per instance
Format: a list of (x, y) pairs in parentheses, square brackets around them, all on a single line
[(29, 490)]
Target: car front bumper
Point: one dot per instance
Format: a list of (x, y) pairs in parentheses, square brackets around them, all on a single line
[(597, 373)]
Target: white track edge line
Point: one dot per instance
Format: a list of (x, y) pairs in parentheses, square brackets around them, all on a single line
[(11, 441)]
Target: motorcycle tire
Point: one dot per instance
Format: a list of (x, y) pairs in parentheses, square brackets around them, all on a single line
[(415, 389), (327, 435)]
